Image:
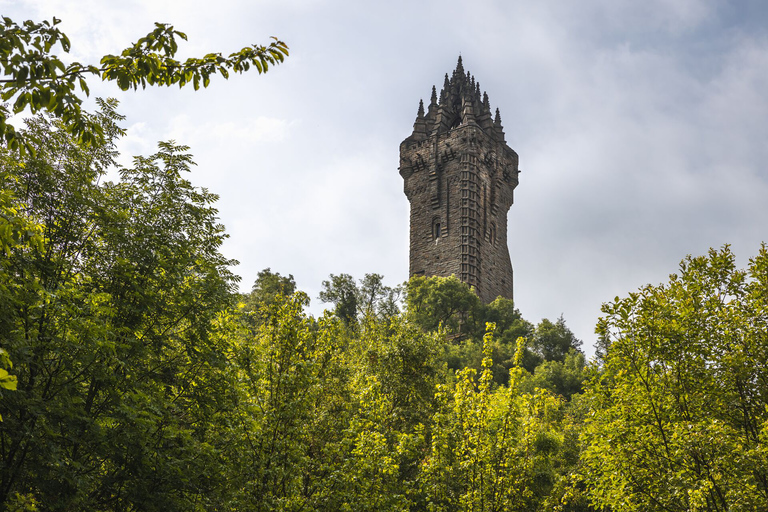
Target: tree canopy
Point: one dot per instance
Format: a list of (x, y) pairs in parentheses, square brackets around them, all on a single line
[(109, 320), (679, 416)]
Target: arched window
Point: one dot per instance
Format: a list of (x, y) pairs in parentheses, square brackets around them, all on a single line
[(492, 234), (437, 231)]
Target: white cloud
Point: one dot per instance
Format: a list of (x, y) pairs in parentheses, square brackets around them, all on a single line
[(253, 131)]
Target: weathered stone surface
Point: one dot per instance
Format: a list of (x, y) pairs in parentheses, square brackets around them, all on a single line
[(460, 177)]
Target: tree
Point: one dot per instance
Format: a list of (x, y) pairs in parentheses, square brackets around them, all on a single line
[(510, 325), (678, 418), (553, 341), (565, 378), (494, 450), (112, 328), (293, 409), (406, 361), (41, 81), (443, 302), (320, 415), (352, 302), (269, 285), (341, 291), (377, 299), (266, 290)]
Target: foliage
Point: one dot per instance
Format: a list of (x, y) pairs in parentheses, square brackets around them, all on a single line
[(553, 341), (17, 234), (510, 325), (443, 303), (564, 378), (7, 381), (320, 428), (111, 328), (376, 299), (293, 396), (145, 381), (264, 293), (679, 417), (372, 471), (408, 364), (451, 307), (493, 449), (41, 81), (269, 285), (352, 302), (341, 291)]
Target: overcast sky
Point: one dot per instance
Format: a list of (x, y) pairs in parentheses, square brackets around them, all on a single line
[(642, 130)]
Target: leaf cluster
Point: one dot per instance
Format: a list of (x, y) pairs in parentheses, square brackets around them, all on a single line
[(38, 79)]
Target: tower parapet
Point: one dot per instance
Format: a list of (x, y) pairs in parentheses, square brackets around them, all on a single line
[(459, 176)]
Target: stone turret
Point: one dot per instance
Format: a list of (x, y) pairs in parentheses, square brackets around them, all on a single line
[(460, 177)]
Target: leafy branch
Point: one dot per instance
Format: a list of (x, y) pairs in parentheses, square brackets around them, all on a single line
[(39, 80)]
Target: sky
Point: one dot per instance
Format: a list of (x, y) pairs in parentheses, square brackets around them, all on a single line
[(641, 127)]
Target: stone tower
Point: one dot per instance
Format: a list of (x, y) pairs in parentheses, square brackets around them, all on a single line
[(460, 177)]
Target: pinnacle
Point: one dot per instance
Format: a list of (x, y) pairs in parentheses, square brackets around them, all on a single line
[(445, 91), (433, 100), (421, 109)]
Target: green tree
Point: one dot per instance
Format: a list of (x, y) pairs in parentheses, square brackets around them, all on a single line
[(18, 234), (565, 378), (316, 428), (112, 329), (266, 290), (510, 325), (408, 364), (372, 298), (553, 341), (377, 299), (444, 303), (341, 291), (494, 450), (39, 80), (678, 418), (293, 409), (269, 285), (372, 469)]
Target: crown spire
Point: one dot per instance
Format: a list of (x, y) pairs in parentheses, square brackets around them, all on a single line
[(461, 101)]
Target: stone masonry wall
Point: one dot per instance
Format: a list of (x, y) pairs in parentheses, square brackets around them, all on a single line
[(460, 186)]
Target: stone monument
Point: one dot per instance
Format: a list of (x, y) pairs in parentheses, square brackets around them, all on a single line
[(460, 177)]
